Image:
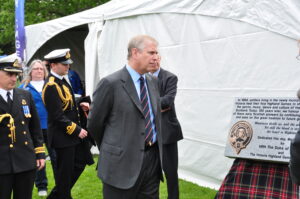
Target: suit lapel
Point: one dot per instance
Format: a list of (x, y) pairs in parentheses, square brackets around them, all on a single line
[(16, 102), (161, 82), (151, 90), (161, 73), (3, 105), (130, 89)]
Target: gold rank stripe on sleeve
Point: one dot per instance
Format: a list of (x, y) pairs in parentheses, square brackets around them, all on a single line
[(71, 128), (11, 126), (65, 100), (39, 150)]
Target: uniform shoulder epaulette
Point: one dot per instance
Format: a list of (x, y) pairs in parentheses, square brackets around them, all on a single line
[(51, 81)]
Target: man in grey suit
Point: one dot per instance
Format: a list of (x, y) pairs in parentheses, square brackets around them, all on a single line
[(171, 129), (125, 121)]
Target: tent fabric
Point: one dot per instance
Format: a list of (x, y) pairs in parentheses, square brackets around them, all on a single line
[(69, 39), (274, 15), (39, 34), (218, 49), (91, 49)]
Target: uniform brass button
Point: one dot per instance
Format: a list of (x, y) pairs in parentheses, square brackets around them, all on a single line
[(9, 135), (23, 122), (26, 143), (8, 125), (11, 146), (24, 132)]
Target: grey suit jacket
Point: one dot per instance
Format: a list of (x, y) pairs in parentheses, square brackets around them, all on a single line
[(171, 129), (117, 123)]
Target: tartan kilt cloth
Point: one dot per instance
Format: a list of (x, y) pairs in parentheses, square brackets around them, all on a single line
[(250, 179)]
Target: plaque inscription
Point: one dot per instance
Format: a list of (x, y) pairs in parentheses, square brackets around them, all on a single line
[(262, 128)]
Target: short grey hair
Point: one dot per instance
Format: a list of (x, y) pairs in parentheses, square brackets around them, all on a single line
[(139, 43)]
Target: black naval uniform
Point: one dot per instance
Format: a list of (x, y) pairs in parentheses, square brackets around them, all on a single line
[(21, 144), (63, 131)]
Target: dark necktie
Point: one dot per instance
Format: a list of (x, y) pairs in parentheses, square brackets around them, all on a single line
[(65, 81), (146, 112), (9, 101)]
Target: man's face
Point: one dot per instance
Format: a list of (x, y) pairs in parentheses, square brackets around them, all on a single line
[(154, 68), (60, 69), (147, 58), (8, 80)]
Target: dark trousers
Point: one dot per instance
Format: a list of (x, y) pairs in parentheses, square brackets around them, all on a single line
[(68, 171), (41, 181), (147, 184), (20, 184), (170, 167)]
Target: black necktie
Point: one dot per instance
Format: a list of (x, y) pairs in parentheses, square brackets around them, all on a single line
[(146, 111), (65, 81), (9, 101)]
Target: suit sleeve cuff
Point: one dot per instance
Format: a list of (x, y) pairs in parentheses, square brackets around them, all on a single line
[(73, 129), (40, 152)]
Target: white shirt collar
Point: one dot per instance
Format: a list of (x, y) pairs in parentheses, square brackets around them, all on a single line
[(134, 75), (3, 93), (56, 75)]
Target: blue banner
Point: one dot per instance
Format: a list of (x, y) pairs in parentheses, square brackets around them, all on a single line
[(20, 29)]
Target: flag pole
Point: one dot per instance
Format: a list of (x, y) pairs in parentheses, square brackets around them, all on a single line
[(20, 38)]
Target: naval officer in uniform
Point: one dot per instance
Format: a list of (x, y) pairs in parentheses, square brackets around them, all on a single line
[(21, 139), (65, 133)]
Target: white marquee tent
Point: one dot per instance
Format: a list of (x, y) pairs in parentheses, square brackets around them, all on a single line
[(219, 49)]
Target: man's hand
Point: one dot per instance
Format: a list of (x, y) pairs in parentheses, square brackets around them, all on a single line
[(40, 163), (85, 106), (83, 133)]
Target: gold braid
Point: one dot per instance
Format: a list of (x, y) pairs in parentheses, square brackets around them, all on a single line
[(65, 100), (11, 126)]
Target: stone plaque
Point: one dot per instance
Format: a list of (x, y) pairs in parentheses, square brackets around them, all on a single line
[(262, 128)]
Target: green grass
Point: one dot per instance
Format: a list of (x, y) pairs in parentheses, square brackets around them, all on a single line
[(89, 186)]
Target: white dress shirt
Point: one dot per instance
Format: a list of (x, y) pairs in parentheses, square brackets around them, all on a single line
[(3, 93)]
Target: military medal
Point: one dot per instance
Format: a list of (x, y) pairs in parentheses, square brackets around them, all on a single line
[(26, 110)]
